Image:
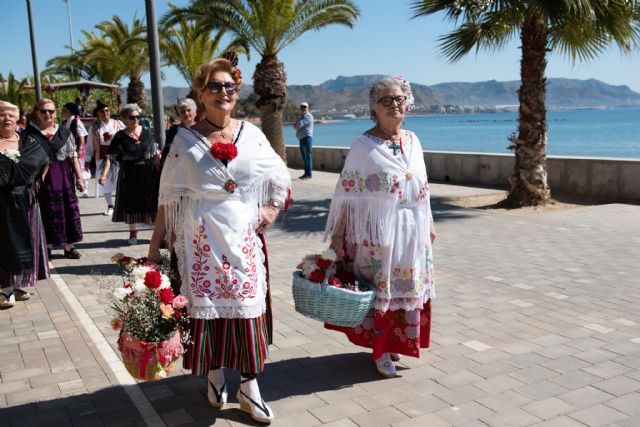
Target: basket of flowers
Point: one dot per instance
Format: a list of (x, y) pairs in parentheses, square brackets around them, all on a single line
[(153, 323), (333, 297)]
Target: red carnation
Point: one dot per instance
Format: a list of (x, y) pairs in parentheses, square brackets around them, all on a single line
[(323, 263), (316, 275), (224, 151), (106, 136), (165, 295), (152, 280), (334, 281)]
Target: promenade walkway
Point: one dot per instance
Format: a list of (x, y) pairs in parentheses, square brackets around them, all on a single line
[(536, 323)]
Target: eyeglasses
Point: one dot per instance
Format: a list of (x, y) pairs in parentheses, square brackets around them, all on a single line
[(387, 101), (133, 117), (43, 111), (216, 87)]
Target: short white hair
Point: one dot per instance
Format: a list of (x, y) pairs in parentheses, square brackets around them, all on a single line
[(127, 109), (186, 103), (4, 105), (378, 86)]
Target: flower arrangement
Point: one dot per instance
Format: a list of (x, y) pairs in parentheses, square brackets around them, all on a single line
[(224, 151), (315, 267), (152, 321), (12, 154)]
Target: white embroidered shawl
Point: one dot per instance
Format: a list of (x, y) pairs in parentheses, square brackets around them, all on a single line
[(219, 255), (373, 187)]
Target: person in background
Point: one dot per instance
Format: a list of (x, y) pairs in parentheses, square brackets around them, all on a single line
[(221, 188), (23, 254), (71, 117), (57, 196), (381, 226), (22, 123), (187, 110), (304, 133), (100, 135), (137, 153)]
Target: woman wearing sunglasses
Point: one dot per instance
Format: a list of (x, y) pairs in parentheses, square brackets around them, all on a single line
[(222, 185), (390, 246), (136, 151), (57, 196)]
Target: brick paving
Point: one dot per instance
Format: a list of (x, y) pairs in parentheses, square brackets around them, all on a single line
[(536, 323)]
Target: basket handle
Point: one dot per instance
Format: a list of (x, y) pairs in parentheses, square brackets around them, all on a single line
[(325, 281)]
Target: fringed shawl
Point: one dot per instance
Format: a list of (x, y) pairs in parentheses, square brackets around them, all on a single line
[(374, 187), (219, 255)]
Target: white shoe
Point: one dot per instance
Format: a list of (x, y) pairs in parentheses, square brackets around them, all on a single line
[(216, 398), (133, 240), (385, 366), (108, 212), (251, 402), (85, 195)]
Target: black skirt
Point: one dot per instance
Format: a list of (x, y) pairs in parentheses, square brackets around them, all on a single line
[(137, 192)]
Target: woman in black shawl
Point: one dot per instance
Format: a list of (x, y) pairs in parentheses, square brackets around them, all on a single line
[(23, 255), (57, 196), (136, 151)]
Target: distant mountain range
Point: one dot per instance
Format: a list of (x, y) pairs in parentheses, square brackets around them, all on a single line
[(350, 94)]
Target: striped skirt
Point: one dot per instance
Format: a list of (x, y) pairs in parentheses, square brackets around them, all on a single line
[(239, 344)]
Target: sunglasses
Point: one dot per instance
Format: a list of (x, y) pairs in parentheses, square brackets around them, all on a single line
[(133, 117), (47, 111), (387, 101), (216, 87)]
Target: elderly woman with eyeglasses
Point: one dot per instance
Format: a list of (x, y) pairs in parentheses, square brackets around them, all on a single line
[(23, 255), (187, 111), (57, 196), (381, 225), (136, 151), (222, 186)]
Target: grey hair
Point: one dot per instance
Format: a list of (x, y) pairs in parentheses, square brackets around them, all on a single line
[(186, 102), (127, 109), (4, 105), (378, 86)]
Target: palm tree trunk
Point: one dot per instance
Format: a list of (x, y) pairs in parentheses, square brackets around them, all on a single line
[(529, 180), (136, 93), (270, 85)]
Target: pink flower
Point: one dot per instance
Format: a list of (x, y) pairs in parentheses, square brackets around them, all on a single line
[(179, 302)]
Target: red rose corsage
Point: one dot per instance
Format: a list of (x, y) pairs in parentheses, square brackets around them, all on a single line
[(107, 136), (224, 151), (230, 186)]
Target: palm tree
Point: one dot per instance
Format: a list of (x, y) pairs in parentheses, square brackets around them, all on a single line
[(268, 26), (80, 65), (13, 90), (127, 47), (189, 44), (580, 29)]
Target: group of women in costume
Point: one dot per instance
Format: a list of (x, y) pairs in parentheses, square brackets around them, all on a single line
[(222, 186)]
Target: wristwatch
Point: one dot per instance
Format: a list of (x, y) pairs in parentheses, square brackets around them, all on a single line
[(274, 203)]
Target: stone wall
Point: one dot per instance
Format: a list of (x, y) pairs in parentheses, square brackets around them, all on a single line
[(603, 179)]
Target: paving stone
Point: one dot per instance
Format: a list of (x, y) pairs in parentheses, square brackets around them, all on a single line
[(512, 418), (431, 420), (562, 421), (464, 412), (585, 396), (598, 415), (549, 408), (380, 417), (629, 404)]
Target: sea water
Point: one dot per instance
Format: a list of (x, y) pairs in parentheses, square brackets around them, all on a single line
[(611, 132)]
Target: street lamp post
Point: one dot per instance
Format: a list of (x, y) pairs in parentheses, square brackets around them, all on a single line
[(68, 2), (154, 69), (34, 57)]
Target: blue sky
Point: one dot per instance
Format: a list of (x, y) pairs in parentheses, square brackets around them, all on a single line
[(384, 41)]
